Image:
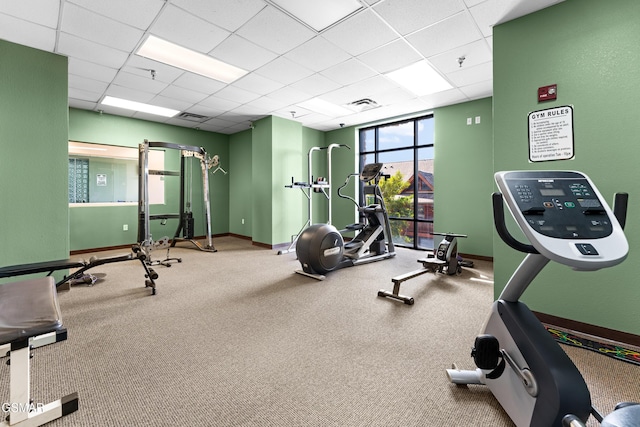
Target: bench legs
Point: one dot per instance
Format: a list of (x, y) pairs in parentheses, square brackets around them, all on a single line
[(21, 411)]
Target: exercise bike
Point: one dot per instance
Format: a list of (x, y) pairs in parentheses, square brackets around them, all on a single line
[(445, 260), (567, 221), (322, 249)]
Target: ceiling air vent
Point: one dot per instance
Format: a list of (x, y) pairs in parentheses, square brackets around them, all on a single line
[(363, 104), (193, 117)]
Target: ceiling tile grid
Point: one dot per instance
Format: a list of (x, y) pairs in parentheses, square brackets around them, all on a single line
[(288, 62)]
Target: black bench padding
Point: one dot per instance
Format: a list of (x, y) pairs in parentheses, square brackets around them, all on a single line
[(28, 308)]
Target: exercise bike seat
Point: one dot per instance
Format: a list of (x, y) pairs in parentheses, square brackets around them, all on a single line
[(28, 308)]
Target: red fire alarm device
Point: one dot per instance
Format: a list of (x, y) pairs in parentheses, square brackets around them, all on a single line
[(547, 93)]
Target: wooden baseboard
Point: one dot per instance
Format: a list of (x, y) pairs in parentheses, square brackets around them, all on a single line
[(588, 329), (239, 236), (478, 257)]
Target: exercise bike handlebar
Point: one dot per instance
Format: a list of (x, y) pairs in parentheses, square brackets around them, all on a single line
[(620, 202), (501, 227)]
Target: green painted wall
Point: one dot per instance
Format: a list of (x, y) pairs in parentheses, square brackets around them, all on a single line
[(463, 174), (95, 227), (589, 48), (287, 154), (260, 191), (33, 155), (240, 184)]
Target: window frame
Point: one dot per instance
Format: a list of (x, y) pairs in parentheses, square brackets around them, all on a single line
[(416, 146)]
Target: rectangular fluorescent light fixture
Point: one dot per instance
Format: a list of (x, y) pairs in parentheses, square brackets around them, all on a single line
[(420, 78), (189, 60), (318, 15), (139, 106), (320, 106)]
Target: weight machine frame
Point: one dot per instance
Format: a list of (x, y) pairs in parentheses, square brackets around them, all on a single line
[(185, 219)]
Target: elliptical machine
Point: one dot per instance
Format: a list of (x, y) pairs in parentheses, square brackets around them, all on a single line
[(321, 248), (566, 220)]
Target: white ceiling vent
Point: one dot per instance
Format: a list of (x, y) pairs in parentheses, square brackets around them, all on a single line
[(193, 117), (363, 104)]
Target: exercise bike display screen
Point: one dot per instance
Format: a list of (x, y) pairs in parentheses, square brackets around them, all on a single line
[(566, 208)]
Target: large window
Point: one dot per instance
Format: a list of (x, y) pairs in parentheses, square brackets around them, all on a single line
[(107, 174), (406, 149)]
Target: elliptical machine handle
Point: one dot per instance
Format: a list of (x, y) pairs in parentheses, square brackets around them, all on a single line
[(620, 202), (501, 227)]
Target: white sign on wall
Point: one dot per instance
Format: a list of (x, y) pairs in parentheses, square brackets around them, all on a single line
[(551, 134)]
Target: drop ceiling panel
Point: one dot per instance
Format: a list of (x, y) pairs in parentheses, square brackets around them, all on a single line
[(145, 84), (371, 87), (407, 16), (258, 84), (219, 104), (275, 31), (182, 28), (455, 31), (360, 33), (97, 28), (84, 95), (139, 14), (183, 94), (470, 75), (452, 96), (175, 104), (348, 72), (91, 70), (288, 95), (42, 12), (81, 104), (478, 90), (242, 53), (236, 94), (318, 54), (269, 105), (474, 54), (77, 47), (486, 14), (470, 3), (316, 85), (284, 71), (198, 83), (86, 84), (220, 12), (319, 15), (390, 57), (518, 8), (26, 33)]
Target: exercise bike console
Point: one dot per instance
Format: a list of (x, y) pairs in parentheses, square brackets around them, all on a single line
[(564, 217)]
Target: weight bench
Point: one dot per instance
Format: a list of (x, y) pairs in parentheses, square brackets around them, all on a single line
[(29, 318), (51, 266)]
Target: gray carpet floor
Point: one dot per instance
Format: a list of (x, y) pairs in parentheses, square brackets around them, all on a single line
[(236, 338)]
